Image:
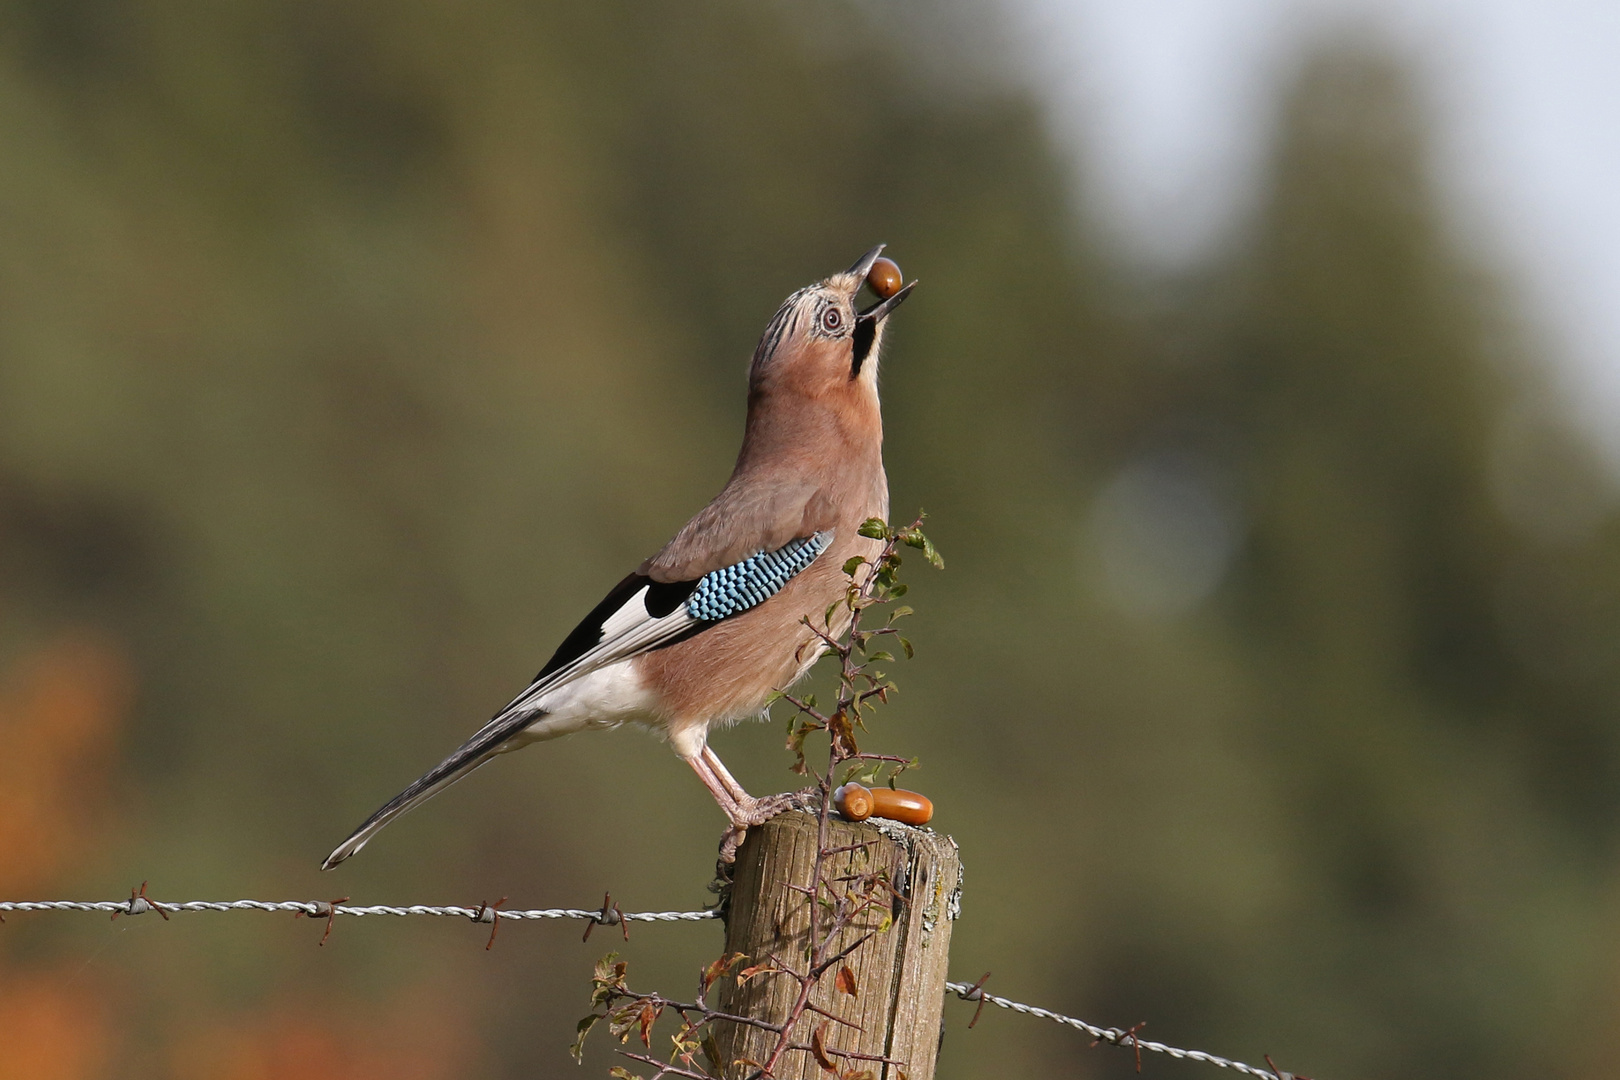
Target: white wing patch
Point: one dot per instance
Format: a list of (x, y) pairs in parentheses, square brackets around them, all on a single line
[(627, 632)]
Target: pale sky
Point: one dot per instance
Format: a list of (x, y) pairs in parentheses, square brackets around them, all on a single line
[(1168, 103)]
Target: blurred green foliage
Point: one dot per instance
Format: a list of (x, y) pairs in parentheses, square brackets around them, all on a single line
[(349, 351)]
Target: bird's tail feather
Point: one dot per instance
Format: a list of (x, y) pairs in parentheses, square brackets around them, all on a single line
[(475, 752)]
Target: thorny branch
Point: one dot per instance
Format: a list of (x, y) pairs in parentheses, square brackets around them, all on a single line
[(835, 904)]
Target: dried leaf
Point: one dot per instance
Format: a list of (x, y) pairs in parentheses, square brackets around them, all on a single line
[(619, 1072), (719, 968), (649, 1016), (845, 981), (758, 969), (818, 1049)]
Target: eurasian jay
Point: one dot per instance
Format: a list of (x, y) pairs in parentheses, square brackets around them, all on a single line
[(705, 631)]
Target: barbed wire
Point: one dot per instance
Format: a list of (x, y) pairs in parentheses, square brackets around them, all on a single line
[(1126, 1037), (607, 915), (139, 903)]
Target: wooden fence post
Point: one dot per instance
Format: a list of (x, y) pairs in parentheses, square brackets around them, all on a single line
[(899, 972)]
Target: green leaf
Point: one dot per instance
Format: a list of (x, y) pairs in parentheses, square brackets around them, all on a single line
[(876, 529), (711, 1049), (879, 655), (854, 564), (607, 971), (900, 612), (906, 645), (584, 1029)]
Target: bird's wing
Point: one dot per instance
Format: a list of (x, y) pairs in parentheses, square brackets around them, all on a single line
[(753, 513), (638, 616)]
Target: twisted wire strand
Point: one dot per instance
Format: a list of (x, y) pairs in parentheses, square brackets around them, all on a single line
[(1116, 1036), (483, 913)]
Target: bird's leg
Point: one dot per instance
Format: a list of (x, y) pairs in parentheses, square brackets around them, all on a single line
[(704, 764), (735, 789), (741, 808), (749, 810), (726, 796)]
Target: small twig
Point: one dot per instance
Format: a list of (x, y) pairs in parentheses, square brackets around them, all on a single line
[(813, 1007), (821, 968), (666, 1068)]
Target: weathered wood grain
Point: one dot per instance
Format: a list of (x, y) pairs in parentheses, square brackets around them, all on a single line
[(899, 972)]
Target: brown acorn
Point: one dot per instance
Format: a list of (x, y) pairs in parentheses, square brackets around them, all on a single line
[(857, 803), (885, 278)]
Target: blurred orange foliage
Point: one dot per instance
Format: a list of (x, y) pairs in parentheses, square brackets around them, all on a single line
[(61, 708), (414, 1042), (51, 1032)]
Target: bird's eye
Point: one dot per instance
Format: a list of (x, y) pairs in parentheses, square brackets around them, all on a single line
[(832, 320)]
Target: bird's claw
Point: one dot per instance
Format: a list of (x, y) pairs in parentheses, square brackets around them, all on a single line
[(758, 812), (730, 841)]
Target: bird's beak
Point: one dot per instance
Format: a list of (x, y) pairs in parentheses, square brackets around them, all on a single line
[(863, 265), (881, 310)]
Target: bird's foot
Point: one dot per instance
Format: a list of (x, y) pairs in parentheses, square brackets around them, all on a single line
[(753, 811), (759, 811)]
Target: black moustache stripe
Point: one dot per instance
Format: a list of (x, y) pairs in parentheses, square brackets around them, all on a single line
[(865, 334)]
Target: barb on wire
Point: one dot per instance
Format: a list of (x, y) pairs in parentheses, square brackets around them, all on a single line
[(328, 909), (610, 915), (139, 903), (1114, 1036), (490, 913)]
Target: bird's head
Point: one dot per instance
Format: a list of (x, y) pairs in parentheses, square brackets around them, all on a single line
[(821, 343)]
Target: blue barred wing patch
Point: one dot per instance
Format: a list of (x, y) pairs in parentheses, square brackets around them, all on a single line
[(740, 586)]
